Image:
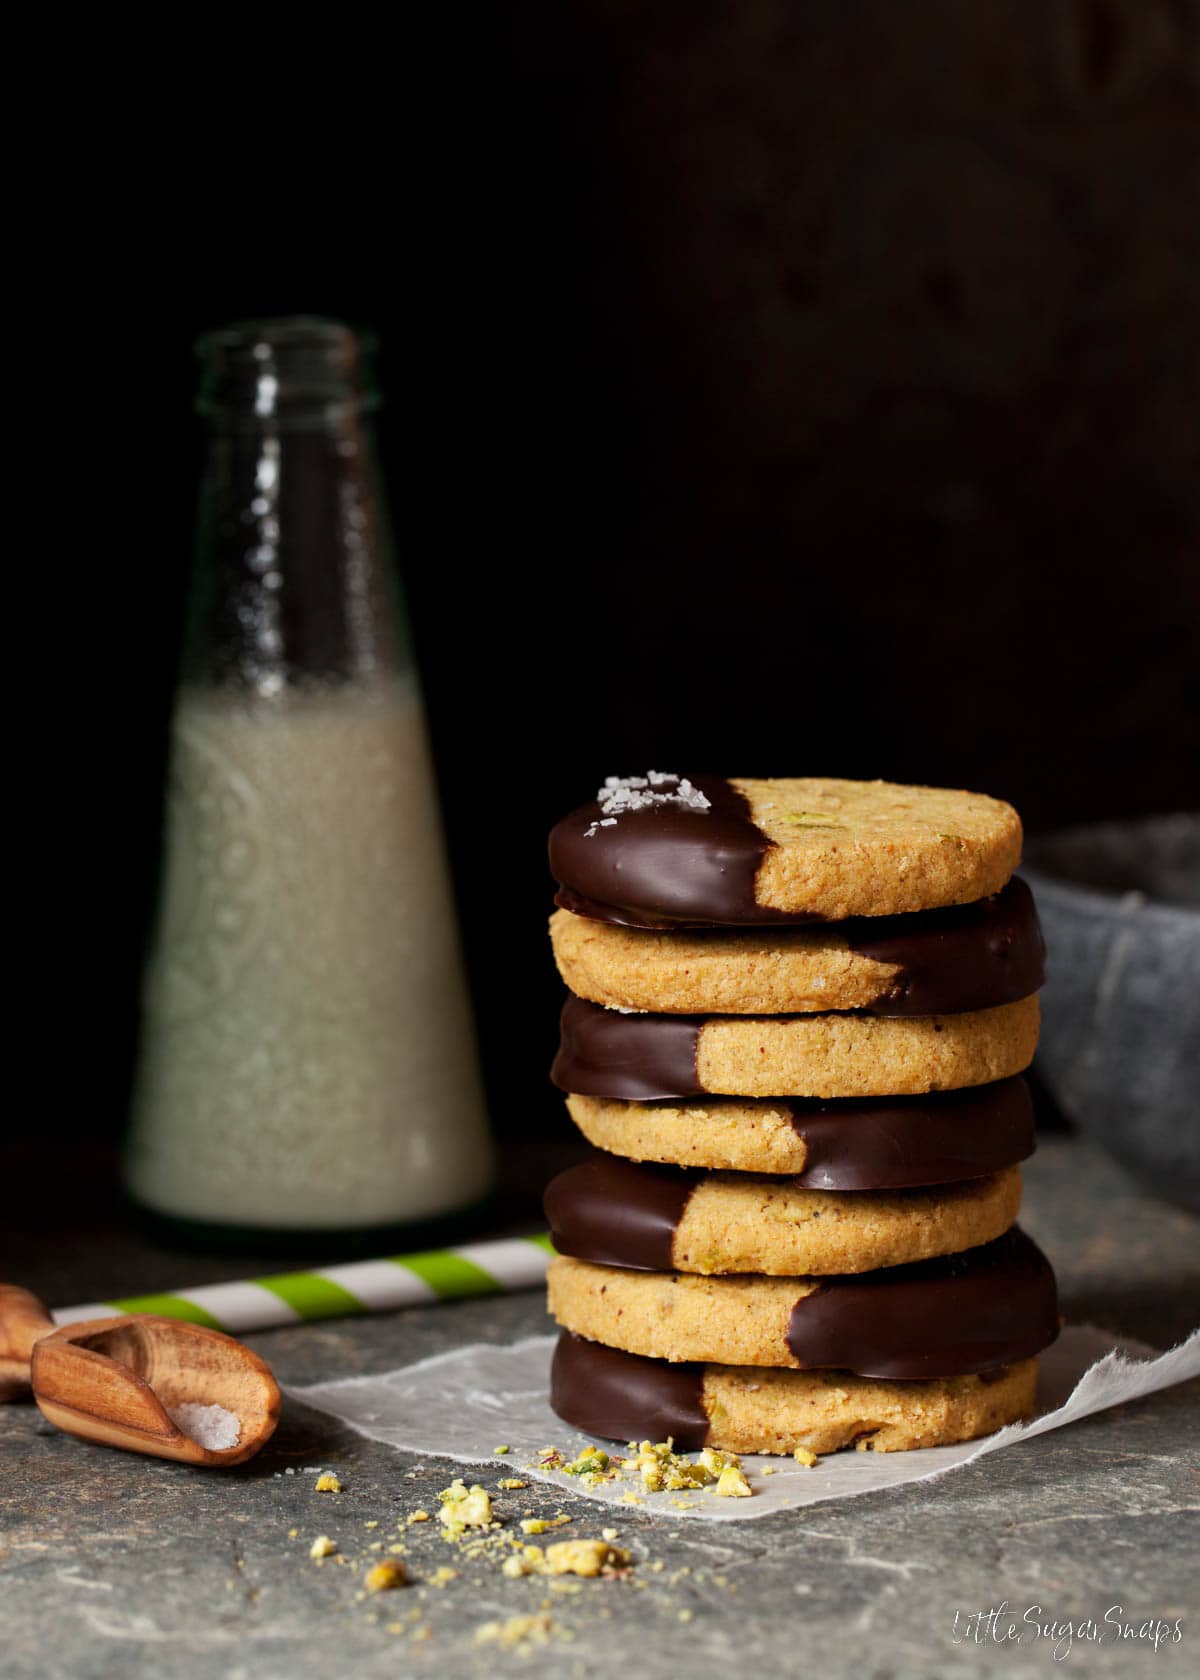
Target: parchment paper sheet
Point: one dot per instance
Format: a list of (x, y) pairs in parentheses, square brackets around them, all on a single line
[(462, 1405)]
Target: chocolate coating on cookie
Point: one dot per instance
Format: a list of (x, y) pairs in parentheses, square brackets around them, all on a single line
[(988, 1307), (887, 1143), (624, 1397), (666, 865), (605, 1053), (969, 956), (896, 1143), (616, 1213)]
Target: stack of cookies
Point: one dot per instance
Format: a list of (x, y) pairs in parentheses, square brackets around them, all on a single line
[(800, 1014)]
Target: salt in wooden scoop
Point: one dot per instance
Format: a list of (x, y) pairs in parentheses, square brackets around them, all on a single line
[(117, 1381)]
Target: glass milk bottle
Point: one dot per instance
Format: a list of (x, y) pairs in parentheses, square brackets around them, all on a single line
[(308, 1060)]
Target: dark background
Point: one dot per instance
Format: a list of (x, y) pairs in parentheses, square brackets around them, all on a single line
[(773, 389)]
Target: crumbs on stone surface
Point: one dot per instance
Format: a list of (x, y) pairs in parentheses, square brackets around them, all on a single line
[(327, 1482), (322, 1547), (383, 1576), (657, 1466), (637, 793), (213, 1427), (517, 1633), (464, 1507)]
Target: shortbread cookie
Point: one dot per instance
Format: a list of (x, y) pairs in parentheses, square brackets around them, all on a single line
[(972, 956), (664, 850), (940, 1318), (622, 1397), (607, 1053), (849, 1143), (660, 1219)]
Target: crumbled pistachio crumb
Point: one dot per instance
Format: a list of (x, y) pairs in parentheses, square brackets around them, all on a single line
[(501, 1450), (417, 1516), (608, 1534), (516, 1632), (567, 1557), (685, 1615), (383, 1576), (442, 1577), (322, 1547), (511, 1482), (590, 1466), (371, 1525), (292, 1533), (327, 1482), (803, 1456), (732, 1483), (585, 1557), (527, 1560), (464, 1507)]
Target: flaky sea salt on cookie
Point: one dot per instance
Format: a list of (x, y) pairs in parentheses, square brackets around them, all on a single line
[(668, 849)]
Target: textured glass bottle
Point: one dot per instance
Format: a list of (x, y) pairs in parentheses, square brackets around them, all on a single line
[(308, 1058)]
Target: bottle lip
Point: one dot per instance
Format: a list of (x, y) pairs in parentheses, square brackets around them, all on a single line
[(276, 368)]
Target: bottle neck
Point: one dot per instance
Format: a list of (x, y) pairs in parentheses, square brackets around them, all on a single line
[(293, 585)]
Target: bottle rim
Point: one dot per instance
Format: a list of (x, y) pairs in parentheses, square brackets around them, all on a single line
[(290, 366)]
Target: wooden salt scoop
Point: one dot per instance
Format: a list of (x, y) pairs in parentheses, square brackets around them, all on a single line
[(115, 1380)]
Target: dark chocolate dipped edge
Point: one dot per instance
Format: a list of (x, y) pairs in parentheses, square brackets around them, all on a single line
[(951, 1317), (668, 864), (618, 1213), (893, 1143), (606, 1053), (636, 1057), (969, 956), (901, 1143), (624, 1397)]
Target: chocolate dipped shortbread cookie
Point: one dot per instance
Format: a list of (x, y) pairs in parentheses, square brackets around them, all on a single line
[(991, 1306), (752, 1410), (665, 850), (616, 1213), (608, 1053), (969, 957), (846, 1143)]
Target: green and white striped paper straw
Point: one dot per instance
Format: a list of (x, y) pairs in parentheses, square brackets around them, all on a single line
[(361, 1286)]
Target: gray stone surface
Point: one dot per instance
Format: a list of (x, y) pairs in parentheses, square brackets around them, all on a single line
[(116, 1565)]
